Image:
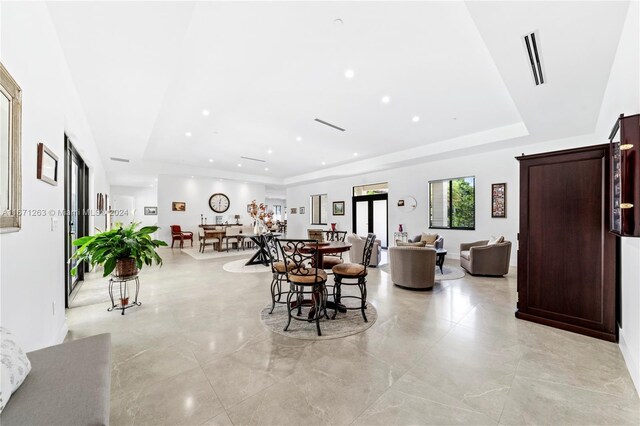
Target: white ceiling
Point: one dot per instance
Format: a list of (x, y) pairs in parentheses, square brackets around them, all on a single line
[(145, 71)]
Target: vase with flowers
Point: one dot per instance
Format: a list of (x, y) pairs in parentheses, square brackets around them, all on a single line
[(260, 216)]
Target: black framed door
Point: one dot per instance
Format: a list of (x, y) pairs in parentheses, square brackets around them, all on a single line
[(371, 214), (76, 201)]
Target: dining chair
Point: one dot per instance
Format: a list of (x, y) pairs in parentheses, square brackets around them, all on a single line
[(178, 235), (234, 233), (278, 270), (205, 239), (303, 279), (333, 259), (354, 274)]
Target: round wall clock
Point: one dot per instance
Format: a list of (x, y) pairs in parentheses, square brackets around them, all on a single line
[(219, 202)]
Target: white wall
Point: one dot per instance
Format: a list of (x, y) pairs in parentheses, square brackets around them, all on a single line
[(32, 263), (488, 168), (134, 200), (623, 96), (196, 192)]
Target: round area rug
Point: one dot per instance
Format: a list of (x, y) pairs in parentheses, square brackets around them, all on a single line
[(238, 266), (448, 272), (345, 324)]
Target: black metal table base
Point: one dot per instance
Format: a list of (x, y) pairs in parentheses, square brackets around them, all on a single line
[(124, 293), (440, 260)]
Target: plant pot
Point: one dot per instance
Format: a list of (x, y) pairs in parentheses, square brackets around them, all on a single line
[(125, 268)]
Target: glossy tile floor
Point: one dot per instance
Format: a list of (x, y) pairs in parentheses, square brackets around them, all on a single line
[(196, 353)]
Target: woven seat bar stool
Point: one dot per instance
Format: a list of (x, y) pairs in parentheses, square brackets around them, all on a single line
[(278, 269), (304, 279), (355, 274)]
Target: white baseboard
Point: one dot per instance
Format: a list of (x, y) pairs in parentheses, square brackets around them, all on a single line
[(62, 333), (632, 363)]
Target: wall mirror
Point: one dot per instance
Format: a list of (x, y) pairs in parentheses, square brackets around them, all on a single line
[(10, 165)]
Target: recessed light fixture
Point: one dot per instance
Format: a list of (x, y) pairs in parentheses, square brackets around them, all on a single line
[(349, 74), (338, 21), (205, 112), (299, 138), (269, 151), (266, 169), (324, 163), (191, 177), (355, 154), (188, 134), (415, 119), (239, 164), (385, 99)]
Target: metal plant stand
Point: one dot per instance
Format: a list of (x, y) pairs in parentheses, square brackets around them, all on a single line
[(123, 284)]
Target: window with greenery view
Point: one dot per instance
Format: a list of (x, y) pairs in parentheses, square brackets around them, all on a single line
[(452, 203), (319, 209)]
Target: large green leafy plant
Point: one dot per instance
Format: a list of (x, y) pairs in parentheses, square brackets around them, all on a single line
[(106, 248)]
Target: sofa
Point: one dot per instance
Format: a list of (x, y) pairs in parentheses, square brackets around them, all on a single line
[(69, 384), (482, 258), (439, 243), (413, 267), (357, 247)]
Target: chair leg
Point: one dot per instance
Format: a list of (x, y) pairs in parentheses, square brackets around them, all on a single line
[(172, 241), (362, 283), (318, 306), (274, 286), (336, 294), (289, 296)]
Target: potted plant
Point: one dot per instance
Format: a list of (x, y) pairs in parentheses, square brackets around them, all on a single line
[(121, 251)]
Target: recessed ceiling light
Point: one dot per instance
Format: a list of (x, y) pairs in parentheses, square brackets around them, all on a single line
[(385, 99), (415, 119), (299, 138), (211, 160), (269, 152), (191, 177), (156, 179), (188, 134), (266, 169), (205, 112), (338, 21), (355, 154), (324, 163), (349, 74), (239, 164)]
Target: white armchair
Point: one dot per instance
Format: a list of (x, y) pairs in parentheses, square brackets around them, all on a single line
[(357, 248)]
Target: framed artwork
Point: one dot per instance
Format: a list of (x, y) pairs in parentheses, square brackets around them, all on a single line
[(294, 210), (400, 203), (150, 211), (179, 206), (499, 200), (338, 208), (301, 210), (47, 170)]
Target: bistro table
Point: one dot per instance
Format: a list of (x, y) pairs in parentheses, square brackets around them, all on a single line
[(261, 256)]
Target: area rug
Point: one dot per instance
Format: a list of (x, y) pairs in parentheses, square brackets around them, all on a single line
[(448, 272), (239, 267), (345, 324), (210, 254)]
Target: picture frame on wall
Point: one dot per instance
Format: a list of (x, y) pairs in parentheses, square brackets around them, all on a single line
[(179, 206), (338, 208), (499, 200), (150, 211), (301, 210), (47, 170), (294, 210)]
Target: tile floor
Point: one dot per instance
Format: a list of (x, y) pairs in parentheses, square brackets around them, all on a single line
[(196, 353)]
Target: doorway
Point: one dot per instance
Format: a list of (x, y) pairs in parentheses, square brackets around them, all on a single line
[(370, 214), (76, 202)]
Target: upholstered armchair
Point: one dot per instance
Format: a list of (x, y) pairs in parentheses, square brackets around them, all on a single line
[(413, 267), (481, 258), (357, 247), (177, 234), (438, 244)]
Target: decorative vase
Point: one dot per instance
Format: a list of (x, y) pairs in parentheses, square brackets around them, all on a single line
[(256, 228), (400, 228), (333, 226)]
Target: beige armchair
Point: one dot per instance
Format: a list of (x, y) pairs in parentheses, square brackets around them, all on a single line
[(478, 258), (413, 267), (357, 248)]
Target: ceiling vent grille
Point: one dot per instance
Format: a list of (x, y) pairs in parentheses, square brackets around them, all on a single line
[(329, 124), (120, 160), (531, 42), (254, 159)]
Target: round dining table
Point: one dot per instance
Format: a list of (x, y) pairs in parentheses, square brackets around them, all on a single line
[(328, 248)]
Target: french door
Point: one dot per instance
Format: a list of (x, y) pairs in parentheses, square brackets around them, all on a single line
[(370, 214), (76, 200)]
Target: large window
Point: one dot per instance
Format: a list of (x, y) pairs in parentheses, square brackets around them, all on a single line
[(371, 189), (319, 209), (452, 203)]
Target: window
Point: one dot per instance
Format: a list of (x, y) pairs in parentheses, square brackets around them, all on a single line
[(319, 209), (371, 189), (452, 203)]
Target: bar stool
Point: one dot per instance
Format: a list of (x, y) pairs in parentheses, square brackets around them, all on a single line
[(278, 269), (355, 274)]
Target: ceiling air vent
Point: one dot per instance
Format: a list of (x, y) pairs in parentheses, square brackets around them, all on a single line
[(329, 124), (531, 42), (120, 160), (254, 159)]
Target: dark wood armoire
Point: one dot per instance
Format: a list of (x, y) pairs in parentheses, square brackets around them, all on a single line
[(566, 254)]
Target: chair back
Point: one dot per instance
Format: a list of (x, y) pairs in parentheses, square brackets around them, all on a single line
[(271, 245), (175, 229), (232, 231), (368, 248), (299, 256), (336, 235), (316, 234)]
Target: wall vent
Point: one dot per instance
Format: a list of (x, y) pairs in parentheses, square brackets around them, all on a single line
[(532, 44), (120, 160), (329, 124), (254, 159)]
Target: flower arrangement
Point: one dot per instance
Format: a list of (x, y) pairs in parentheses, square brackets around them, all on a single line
[(258, 212)]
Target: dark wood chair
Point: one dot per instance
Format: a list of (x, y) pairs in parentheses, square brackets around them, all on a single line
[(178, 235)]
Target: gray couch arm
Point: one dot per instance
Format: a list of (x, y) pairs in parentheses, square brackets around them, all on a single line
[(69, 384), (467, 246)]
